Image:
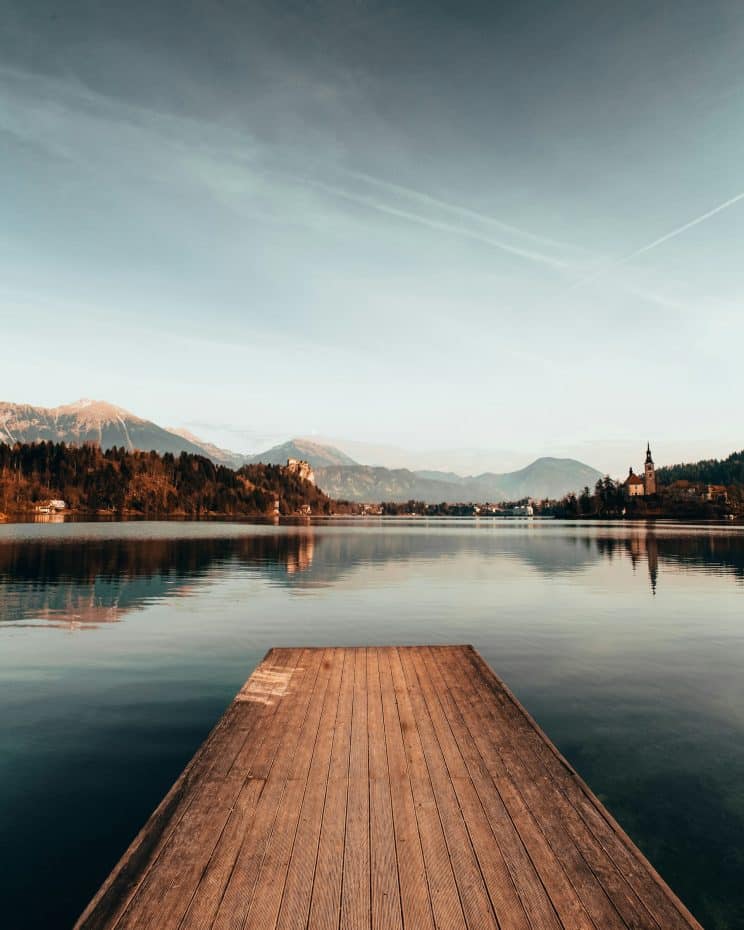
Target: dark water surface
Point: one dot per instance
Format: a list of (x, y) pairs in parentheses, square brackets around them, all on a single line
[(121, 645)]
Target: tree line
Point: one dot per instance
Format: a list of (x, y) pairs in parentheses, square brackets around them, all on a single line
[(120, 481), (609, 500), (728, 471)]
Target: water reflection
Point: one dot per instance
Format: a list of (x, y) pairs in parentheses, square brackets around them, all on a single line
[(625, 641), (644, 546), (86, 584), (81, 582)]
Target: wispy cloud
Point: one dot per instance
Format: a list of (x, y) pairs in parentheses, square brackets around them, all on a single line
[(458, 210), (79, 125), (432, 223)]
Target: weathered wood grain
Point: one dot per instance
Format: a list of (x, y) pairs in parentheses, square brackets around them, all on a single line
[(385, 788)]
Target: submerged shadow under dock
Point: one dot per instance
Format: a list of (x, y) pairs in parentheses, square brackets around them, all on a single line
[(381, 788)]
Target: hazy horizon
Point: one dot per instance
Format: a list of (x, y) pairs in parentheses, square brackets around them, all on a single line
[(610, 456), (436, 227)]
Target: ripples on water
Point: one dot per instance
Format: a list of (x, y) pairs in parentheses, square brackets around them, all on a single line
[(121, 644)]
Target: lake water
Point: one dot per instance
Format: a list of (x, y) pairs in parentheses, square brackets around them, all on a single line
[(121, 645)]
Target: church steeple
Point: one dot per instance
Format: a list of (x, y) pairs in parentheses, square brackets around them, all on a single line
[(649, 473)]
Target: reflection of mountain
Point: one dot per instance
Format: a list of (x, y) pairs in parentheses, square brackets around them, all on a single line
[(337, 554), (103, 600), (83, 584), (91, 581)]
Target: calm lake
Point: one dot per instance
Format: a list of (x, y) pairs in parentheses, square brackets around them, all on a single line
[(122, 643)]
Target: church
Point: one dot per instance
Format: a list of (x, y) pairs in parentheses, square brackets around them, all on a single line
[(642, 486)]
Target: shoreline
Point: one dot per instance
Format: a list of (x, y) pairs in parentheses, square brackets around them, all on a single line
[(26, 518)]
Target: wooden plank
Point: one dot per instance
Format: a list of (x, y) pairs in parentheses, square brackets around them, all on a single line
[(257, 701), (524, 871), (241, 886), (660, 902), (355, 890), (476, 902), (388, 788), (384, 885), (552, 873), (553, 876), (325, 907), (613, 882), (256, 758), (285, 878), (412, 878), (517, 895), (443, 885), (298, 887), (537, 796), (168, 889)]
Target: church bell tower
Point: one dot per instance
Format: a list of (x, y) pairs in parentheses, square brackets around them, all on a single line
[(649, 473)]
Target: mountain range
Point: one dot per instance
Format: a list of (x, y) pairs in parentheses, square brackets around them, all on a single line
[(344, 479), (335, 472), (88, 421), (545, 477), (105, 424)]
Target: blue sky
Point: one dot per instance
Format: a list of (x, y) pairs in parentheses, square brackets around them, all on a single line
[(430, 225)]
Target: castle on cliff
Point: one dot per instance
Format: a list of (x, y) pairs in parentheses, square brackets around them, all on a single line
[(301, 468)]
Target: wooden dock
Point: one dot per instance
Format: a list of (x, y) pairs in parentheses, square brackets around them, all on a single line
[(381, 788)]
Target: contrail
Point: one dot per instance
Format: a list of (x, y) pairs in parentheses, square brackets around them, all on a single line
[(681, 229), (452, 228), (665, 238), (425, 198)]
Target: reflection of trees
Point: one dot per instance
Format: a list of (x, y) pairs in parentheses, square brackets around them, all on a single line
[(723, 552), (93, 581), (97, 580), (83, 561), (710, 550)]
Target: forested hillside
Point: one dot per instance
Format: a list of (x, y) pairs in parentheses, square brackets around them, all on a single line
[(119, 481), (728, 471)]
